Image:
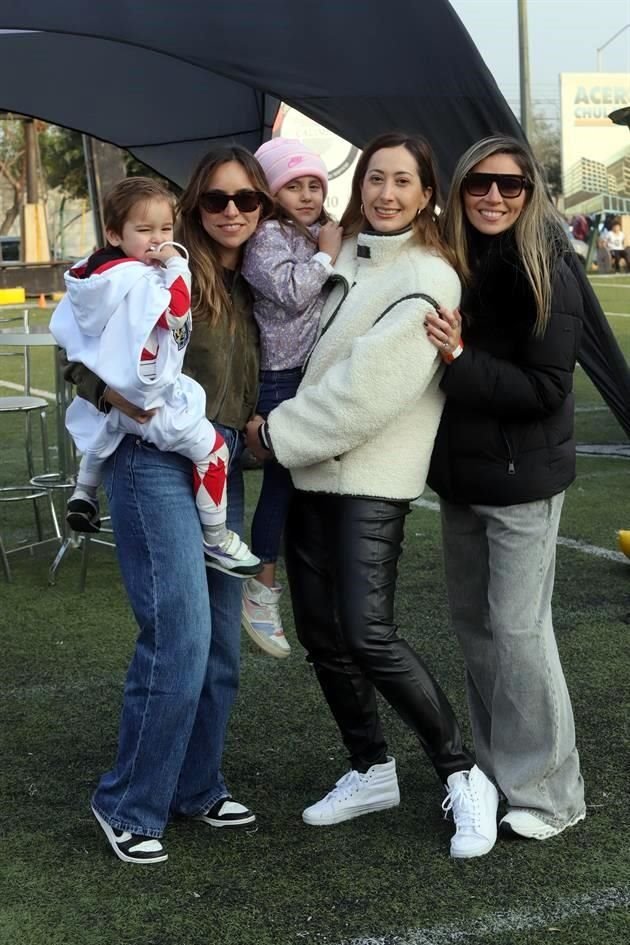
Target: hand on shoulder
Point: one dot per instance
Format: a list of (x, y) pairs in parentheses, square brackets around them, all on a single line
[(330, 239)]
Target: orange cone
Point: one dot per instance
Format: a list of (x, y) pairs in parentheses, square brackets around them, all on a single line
[(42, 301)]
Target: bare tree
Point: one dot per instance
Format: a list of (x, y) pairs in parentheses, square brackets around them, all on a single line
[(545, 142), (12, 167)]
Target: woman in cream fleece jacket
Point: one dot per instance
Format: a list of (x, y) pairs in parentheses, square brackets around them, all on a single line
[(357, 438)]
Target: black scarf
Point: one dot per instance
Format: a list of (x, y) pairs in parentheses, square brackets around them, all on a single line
[(499, 300)]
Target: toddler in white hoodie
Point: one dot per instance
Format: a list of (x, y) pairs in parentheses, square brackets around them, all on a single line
[(126, 316)]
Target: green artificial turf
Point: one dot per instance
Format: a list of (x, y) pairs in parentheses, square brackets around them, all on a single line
[(380, 880)]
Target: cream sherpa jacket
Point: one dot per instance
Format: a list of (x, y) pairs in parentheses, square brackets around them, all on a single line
[(366, 414)]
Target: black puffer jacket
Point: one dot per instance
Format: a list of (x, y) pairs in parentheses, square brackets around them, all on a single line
[(506, 435)]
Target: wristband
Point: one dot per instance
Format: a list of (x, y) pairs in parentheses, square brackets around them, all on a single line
[(102, 405), (263, 436), (450, 356)]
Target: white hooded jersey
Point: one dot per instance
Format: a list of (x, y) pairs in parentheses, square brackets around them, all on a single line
[(125, 314)]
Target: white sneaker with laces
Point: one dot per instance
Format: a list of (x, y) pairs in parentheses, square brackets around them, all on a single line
[(356, 793), (473, 800), (526, 824), (261, 619), (232, 556)]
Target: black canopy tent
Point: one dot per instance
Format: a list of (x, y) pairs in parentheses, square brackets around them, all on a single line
[(168, 82)]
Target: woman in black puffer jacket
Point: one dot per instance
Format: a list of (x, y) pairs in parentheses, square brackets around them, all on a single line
[(504, 454)]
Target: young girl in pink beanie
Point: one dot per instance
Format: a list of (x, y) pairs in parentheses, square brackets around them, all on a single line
[(287, 263)]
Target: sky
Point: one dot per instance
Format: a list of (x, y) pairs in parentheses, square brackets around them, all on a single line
[(563, 37)]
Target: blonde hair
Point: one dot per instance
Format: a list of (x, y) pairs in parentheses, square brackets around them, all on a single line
[(209, 295), (538, 231), (123, 196), (425, 225)]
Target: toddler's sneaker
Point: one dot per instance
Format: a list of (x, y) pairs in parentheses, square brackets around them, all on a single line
[(232, 556), (261, 618), (356, 793), (83, 514), (473, 800)]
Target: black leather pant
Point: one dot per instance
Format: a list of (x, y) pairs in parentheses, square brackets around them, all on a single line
[(341, 557)]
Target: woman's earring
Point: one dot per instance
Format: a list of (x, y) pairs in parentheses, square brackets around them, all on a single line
[(362, 211)]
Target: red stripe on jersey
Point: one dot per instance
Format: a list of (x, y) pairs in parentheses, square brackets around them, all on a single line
[(112, 263), (180, 297), (148, 355)]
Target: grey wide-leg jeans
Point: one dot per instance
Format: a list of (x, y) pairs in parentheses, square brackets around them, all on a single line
[(500, 564)]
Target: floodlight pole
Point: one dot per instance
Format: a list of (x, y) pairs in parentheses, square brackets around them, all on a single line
[(607, 43), (523, 61)]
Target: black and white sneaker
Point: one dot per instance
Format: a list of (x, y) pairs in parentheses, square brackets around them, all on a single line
[(227, 813), (132, 847), (83, 515)]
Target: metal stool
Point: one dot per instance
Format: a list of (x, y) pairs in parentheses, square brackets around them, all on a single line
[(86, 540), (20, 494), (26, 405)]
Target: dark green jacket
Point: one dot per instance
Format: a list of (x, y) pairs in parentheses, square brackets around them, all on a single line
[(222, 359)]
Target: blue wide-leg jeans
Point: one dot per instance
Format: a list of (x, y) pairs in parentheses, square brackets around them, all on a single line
[(183, 675)]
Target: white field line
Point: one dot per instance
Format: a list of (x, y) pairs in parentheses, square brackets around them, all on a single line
[(509, 921), (564, 542), (617, 314), (609, 281), (34, 390), (591, 549), (592, 409)]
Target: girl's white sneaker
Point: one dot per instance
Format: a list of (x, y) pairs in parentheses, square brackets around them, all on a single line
[(261, 618)]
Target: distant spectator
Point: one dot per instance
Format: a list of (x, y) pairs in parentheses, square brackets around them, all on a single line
[(603, 253), (615, 244), (580, 227)]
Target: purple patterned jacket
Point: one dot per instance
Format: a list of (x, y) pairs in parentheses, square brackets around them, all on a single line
[(287, 275)]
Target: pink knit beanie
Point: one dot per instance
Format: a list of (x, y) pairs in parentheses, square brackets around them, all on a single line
[(284, 159)]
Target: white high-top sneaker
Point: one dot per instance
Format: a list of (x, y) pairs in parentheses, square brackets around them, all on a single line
[(473, 799), (261, 619), (355, 794)]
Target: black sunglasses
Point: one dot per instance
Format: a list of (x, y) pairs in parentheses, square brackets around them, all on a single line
[(245, 201), (510, 185)]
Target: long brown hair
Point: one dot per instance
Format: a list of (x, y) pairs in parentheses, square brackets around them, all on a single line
[(209, 294), (425, 225), (538, 231)]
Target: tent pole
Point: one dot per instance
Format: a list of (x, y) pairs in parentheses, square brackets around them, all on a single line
[(94, 190)]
